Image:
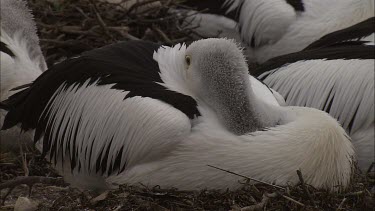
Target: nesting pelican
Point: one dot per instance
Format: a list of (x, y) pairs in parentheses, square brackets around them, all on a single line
[(136, 112)]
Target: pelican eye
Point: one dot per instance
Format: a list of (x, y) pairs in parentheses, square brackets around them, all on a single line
[(187, 60)]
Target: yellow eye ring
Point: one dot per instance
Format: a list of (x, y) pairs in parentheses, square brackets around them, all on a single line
[(187, 60)]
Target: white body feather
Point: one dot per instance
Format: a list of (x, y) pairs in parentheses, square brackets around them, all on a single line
[(350, 86), (271, 156), (17, 70), (18, 32), (210, 25), (263, 22)]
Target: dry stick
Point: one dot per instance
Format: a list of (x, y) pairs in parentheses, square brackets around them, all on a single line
[(68, 42), (156, 20), (354, 193), (370, 167), (139, 4), (305, 188), (24, 161), (162, 34), (29, 181), (123, 31), (342, 203), (76, 30), (292, 200), (79, 30), (249, 178), (72, 29), (154, 7), (259, 206), (100, 20), (82, 12)]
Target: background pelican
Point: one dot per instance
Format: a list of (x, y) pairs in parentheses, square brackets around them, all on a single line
[(334, 74), (276, 27)]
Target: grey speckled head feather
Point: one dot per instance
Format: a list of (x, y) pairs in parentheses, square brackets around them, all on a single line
[(15, 18), (219, 69)]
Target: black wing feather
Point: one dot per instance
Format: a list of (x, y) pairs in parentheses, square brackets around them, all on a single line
[(4, 48), (355, 32), (342, 51), (128, 65)]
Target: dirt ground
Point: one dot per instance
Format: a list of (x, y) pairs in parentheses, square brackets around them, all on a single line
[(69, 27), (49, 196)]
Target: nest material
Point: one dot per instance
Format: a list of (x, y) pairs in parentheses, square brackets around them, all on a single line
[(250, 197), (70, 27)]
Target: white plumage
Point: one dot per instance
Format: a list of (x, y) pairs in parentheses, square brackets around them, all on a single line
[(272, 28), (307, 29), (343, 88), (262, 22), (21, 58), (334, 74), (109, 124), (209, 25)]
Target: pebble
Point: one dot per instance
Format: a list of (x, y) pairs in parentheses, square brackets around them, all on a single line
[(25, 204)]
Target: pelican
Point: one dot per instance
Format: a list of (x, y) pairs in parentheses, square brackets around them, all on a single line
[(136, 112), (334, 74), (272, 28), (21, 58), (316, 77)]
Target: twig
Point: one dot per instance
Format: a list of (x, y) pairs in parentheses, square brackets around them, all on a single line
[(29, 181), (123, 31), (342, 203), (266, 197), (292, 200), (100, 19), (156, 20), (76, 30), (139, 4), (370, 167), (304, 187), (354, 193), (24, 161), (162, 34), (68, 43), (256, 180), (81, 11)]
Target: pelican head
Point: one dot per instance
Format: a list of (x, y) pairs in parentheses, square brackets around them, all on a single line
[(217, 74)]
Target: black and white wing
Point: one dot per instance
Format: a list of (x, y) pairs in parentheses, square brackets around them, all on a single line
[(103, 110), (260, 22), (338, 80), (361, 33)]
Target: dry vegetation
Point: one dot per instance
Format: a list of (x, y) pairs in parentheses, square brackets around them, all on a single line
[(69, 27)]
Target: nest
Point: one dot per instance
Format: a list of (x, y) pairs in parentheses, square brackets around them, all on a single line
[(50, 193), (70, 27)]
